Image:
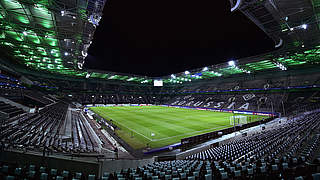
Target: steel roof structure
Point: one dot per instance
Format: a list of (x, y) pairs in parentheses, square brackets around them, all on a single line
[(54, 36)]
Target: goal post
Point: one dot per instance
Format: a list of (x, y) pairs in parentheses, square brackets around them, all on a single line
[(235, 120)]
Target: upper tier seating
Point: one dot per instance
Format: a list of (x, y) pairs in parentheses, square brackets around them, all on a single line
[(250, 101)]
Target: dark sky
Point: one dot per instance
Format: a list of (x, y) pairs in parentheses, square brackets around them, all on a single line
[(156, 38)]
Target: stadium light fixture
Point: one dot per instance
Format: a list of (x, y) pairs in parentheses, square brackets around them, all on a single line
[(304, 26), (232, 63), (205, 69), (186, 72)]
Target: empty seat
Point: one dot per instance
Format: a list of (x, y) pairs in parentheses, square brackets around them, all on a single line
[(42, 169), (65, 173), (91, 177), (10, 178), (44, 176), (53, 172), (31, 174), (17, 171), (316, 176), (78, 175), (237, 173), (167, 177), (224, 175), (59, 178), (208, 177), (5, 169), (274, 167)]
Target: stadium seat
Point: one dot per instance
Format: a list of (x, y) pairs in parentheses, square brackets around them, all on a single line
[(224, 175), (167, 177), (274, 167), (17, 171), (154, 177), (5, 169), (285, 166), (31, 174), (263, 169), (316, 176), (32, 167), (42, 169), (91, 177), (44, 176), (196, 174), (237, 173), (59, 178), (78, 175), (65, 174), (53, 172), (183, 175), (208, 177), (10, 177), (105, 174)]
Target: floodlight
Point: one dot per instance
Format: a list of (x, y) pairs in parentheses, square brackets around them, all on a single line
[(232, 63), (304, 26), (205, 69), (186, 72)]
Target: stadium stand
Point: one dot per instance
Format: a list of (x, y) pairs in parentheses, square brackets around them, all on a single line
[(47, 130), (284, 151)]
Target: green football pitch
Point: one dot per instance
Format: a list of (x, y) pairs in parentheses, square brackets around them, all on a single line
[(158, 126)]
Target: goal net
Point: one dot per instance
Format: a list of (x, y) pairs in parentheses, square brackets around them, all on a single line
[(235, 120)]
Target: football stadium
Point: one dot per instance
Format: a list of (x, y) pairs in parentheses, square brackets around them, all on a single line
[(67, 112)]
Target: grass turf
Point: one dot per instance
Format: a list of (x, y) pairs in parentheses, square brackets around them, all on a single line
[(167, 124)]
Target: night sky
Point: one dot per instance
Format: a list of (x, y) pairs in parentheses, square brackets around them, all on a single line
[(157, 38)]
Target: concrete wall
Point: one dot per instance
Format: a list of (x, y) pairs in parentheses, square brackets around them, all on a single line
[(51, 162)]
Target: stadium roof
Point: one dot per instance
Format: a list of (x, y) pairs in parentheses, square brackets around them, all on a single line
[(54, 36)]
